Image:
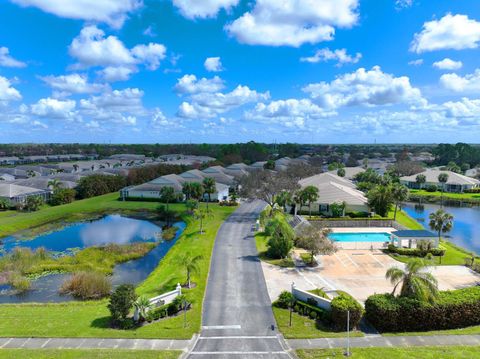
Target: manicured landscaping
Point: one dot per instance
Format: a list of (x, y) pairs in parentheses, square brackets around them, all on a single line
[(405, 220), (445, 194), (261, 240), (92, 319), (449, 352), (305, 328), (87, 354)]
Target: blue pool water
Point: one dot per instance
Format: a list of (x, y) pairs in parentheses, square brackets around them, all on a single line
[(359, 237)]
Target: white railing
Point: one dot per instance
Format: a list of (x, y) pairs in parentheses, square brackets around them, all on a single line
[(162, 299)]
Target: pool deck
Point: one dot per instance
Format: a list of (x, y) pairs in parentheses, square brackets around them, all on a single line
[(359, 272)]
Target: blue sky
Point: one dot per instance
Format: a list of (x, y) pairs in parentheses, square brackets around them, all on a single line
[(329, 71)]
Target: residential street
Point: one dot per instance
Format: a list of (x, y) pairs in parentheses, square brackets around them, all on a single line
[(237, 316)]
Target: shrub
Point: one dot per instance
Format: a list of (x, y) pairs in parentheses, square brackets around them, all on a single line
[(415, 252), (285, 299), (169, 233), (341, 304), (453, 309), (306, 309), (121, 302), (431, 188), (87, 285), (62, 196), (19, 282), (319, 292), (472, 190)]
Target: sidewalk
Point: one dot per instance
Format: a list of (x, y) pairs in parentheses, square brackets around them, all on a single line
[(93, 343), (381, 341)]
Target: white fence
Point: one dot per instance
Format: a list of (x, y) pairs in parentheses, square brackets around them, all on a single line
[(162, 299), (304, 296)]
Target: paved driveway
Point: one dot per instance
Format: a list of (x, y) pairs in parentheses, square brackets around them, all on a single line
[(358, 272), (237, 316)]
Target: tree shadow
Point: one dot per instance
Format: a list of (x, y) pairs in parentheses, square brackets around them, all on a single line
[(102, 322)]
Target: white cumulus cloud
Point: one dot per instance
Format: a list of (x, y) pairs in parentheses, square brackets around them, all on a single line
[(451, 32), (72, 84), (7, 60), (8, 92), (448, 64), (192, 9), (91, 48), (54, 108), (365, 88), (293, 22), (213, 64), (112, 12), (467, 83), (189, 84), (340, 56)]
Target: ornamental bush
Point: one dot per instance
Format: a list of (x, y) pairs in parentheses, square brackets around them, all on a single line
[(415, 252), (341, 304), (453, 309)]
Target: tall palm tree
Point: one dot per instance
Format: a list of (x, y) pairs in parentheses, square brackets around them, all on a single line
[(54, 184), (167, 195), (399, 194), (191, 264), (420, 180), (310, 195), (209, 187), (414, 281), (441, 221), (380, 199), (442, 178)]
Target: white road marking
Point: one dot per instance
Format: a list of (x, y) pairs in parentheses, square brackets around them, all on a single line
[(207, 327), (324, 281), (340, 260), (305, 278), (351, 260), (376, 260), (240, 337), (239, 353)]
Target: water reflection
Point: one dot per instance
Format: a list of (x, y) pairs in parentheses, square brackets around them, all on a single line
[(111, 229), (466, 223)]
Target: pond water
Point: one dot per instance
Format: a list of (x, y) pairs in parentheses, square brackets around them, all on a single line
[(110, 229), (466, 223)]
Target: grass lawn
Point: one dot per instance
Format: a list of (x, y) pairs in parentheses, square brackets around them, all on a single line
[(304, 327), (461, 331), (91, 319), (449, 352), (474, 196), (404, 219), (87, 354), (261, 240)]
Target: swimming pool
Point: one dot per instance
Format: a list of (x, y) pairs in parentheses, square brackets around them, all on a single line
[(360, 237)]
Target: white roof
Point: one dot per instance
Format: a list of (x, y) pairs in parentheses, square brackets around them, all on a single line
[(350, 172), (326, 177), (10, 190), (453, 178), (332, 192)]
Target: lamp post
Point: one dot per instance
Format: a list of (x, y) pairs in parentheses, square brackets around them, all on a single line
[(347, 353)]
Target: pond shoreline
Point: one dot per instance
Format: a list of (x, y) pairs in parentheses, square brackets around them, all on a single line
[(127, 267)]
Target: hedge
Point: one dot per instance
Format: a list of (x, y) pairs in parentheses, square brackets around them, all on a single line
[(341, 304), (306, 309), (453, 309), (415, 252)]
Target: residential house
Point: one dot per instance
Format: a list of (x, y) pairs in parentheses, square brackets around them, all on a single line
[(15, 193), (456, 183)]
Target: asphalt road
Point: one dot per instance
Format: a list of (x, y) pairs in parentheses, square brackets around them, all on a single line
[(238, 320)]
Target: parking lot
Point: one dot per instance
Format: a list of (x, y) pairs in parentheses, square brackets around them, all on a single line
[(358, 272)]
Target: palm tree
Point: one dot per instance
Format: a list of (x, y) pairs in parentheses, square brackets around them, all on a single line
[(191, 265), (187, 190), (167, 195), (415, 283), (380, 199), (209, 187), (142, 305), (54, 184), (441, 221), (442, 178), (201, 215), (310, 195), (420, 179), (399, 194)]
